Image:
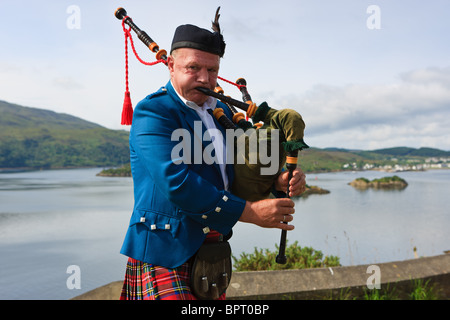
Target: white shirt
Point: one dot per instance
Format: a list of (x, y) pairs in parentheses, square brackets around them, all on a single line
[(216, 136)]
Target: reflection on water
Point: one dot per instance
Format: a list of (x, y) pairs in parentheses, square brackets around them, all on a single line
[(50, 220), (365, 226)]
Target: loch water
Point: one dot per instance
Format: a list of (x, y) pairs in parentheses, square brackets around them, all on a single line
[(51, 221)]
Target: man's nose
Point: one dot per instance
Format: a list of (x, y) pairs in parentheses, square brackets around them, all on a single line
[(203, 75)]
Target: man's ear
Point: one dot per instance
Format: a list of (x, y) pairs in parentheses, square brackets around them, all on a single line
[(170, 63)]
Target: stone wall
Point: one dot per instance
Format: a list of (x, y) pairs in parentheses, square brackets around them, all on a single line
[(322, 283)]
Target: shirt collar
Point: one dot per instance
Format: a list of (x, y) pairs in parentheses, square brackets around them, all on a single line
[(210, 103)]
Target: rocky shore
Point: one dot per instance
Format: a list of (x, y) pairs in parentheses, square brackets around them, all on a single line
[(314, 190), (124, 171)]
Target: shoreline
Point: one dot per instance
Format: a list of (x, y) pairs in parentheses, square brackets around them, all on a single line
[(31, 169)]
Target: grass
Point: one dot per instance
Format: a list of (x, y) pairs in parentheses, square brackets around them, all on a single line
[(297, 258), (387, 293), (420, 290), (423, 290)]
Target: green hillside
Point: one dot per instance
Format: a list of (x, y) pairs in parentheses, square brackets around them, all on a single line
[(317, 160), (335, 159), (37, 138), (411, 152)]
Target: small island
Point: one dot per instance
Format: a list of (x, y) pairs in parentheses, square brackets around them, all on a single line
[(124, 171), (394, 182), (314, 190)]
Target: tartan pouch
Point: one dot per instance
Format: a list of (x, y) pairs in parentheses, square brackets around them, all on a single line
[(211, 270)]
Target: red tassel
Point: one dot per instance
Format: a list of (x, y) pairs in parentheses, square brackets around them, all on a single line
[(127, 111)]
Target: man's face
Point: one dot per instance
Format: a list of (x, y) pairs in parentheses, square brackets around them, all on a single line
[(191, 68)]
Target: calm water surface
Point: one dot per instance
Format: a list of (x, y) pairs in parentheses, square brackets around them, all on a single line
[(50, 220)]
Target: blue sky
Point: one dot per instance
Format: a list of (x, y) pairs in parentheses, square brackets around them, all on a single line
[(355, 86)]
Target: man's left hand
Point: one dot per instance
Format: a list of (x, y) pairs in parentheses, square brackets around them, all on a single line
[(297, 185)]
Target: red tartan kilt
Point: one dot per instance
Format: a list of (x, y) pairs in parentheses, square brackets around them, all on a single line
[(144, 281)]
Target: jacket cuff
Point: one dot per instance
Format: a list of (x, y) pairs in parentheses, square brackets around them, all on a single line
[(222, 216)]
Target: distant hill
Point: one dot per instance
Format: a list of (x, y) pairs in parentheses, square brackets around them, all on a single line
[(421, 152), (38, 138), (336, 159), (316, 160), (399, 151)]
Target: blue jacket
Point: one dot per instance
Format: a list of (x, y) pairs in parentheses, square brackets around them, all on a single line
[(176, 205)]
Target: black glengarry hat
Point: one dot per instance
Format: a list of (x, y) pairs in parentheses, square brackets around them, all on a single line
[(190, 36)]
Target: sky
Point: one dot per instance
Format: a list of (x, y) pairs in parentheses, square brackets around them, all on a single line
[(363, 74)]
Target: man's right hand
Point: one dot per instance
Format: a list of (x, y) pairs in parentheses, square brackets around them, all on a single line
[(269, 213)]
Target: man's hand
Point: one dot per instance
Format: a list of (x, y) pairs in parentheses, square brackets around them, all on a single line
[(297, 185), (269, 213)]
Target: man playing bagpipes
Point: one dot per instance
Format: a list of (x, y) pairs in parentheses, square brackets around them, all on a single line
[(184, 211)]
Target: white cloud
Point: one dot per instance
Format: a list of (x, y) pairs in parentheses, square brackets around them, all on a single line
[(281, 48), (67, 83), (427, 76), (413, 112)]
